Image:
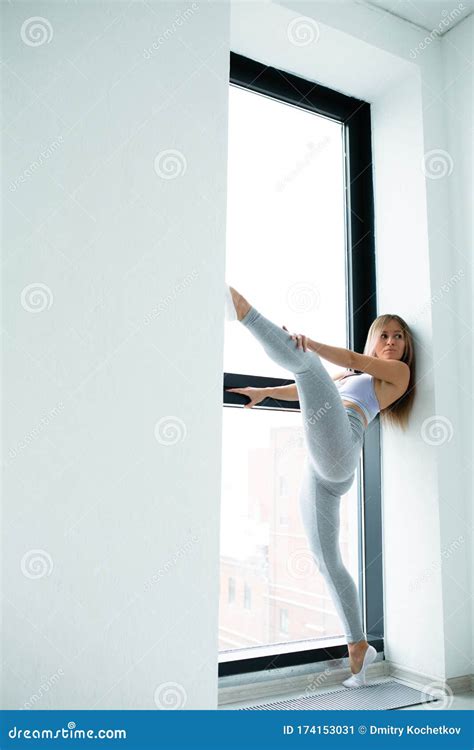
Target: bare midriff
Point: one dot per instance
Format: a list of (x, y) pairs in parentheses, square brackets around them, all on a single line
[(357, 408)]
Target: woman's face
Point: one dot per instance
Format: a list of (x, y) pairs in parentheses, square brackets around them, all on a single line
[(390, 342)]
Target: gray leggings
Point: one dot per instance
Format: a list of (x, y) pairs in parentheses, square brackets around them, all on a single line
[(334, 436)]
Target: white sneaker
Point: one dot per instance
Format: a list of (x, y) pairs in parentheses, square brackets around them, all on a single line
[(359, 679), (230, 311)]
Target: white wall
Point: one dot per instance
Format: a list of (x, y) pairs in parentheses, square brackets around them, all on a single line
[(110, 524), (458, 96)]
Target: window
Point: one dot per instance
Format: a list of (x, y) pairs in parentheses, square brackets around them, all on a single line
[(300, 247), (292, 237), (284, 621), (231, 591), (283, 487), (283, 517), (263, 541), (247, 596)]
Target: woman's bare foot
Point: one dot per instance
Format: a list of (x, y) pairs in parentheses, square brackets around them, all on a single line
[(356, 655), (240, 303)]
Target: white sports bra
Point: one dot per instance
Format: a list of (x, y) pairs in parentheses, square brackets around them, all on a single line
[(360, 389)]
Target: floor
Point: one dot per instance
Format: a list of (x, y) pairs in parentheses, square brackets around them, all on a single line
[(461, 702)]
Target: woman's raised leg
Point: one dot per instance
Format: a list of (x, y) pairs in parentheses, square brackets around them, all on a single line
[(332, 447)]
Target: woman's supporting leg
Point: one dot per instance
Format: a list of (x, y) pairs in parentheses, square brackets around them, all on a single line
[(333, 448), (320, 511)]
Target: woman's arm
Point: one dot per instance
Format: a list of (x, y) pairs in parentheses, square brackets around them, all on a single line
[(390, 370), (335, 354), (290, 392), (283, 392)]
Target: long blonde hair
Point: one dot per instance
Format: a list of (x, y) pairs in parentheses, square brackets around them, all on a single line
[(397, 414)]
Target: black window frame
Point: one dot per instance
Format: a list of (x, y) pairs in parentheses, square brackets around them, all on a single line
[(361, 309)]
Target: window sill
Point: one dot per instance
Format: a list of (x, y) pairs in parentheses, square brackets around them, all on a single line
[(257, 673), (276, 655)]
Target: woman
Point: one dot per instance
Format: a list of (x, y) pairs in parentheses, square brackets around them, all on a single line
[(334, 421)]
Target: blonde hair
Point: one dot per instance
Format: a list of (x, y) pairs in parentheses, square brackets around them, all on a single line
[(397, 414)]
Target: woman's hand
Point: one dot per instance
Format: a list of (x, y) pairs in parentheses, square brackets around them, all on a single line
[(255, 395), (302, 341)]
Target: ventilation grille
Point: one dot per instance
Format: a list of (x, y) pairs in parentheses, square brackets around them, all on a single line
[(377, 696)]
